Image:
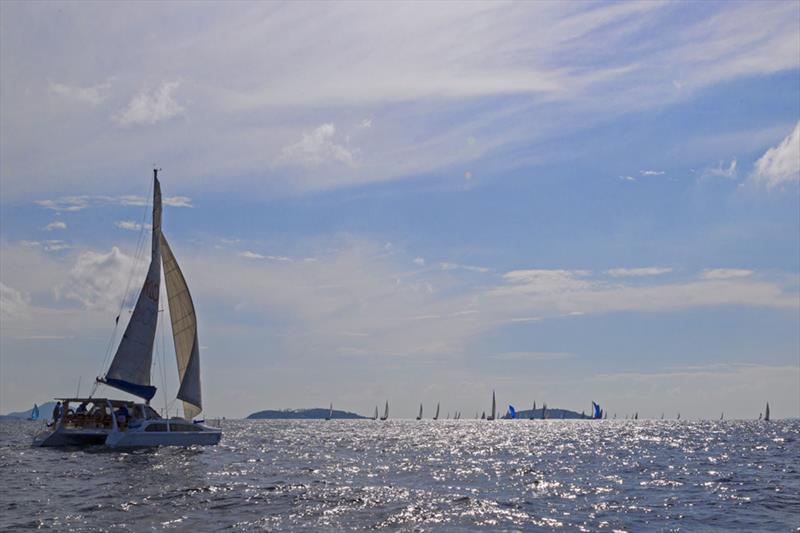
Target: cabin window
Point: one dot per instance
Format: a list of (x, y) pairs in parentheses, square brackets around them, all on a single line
[(156, 427), (185, 427)]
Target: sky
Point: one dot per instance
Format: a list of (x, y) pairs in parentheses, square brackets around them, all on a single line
[(416, 202)]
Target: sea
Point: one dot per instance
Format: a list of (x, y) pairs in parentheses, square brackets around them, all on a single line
[(404, 475)]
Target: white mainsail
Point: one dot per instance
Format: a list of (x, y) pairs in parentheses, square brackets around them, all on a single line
[(130, 369), (184, 333)]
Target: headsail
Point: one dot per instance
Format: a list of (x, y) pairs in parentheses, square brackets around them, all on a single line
[(184, 333), (130, 369)]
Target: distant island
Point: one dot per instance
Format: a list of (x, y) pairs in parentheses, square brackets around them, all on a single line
[(316, 413)]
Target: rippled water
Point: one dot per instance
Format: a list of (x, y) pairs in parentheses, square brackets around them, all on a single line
[(416, 476)]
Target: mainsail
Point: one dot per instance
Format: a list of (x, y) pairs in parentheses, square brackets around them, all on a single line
[(436, 416), (184, 333), (130, 369)]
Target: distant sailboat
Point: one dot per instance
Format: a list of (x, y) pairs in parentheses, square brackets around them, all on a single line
[(722, 416), (483, 415), (597, 413), (662, 416), (766, 413), (386, 412), (533, 411), (636, 416), (544, 411), (436, 416), (34, 413), (494, 408), (330, 413), (419, 416), (375, 416), (679, 416), (760, 416)]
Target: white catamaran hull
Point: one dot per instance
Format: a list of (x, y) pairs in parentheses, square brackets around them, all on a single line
[(147, 439), (71, 437)]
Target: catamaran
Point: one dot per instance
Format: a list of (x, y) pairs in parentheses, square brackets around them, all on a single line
[(123, 423), (419, 416), (386, 412), (34, 413)]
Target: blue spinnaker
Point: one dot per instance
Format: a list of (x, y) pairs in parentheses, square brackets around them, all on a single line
[(597, 413), (512, 413)]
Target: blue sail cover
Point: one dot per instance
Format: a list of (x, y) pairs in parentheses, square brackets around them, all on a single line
[(597, 414), (512, 413), (142, 391)]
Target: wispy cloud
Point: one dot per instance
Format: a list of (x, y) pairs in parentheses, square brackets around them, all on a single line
[(316, 148), (725, 273), (50, 245), (130, 225), (721, 171), (652, 172), (151, 106), (13, 303), (636, 272), (456, 266), (780, 164), (79, 203), (56, 224), (93, 95)]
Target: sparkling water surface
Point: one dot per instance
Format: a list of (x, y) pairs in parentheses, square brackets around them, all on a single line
[(555, 475)]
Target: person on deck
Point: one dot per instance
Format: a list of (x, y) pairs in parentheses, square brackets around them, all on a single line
[(57, 412), (81, 409), (122, 414)]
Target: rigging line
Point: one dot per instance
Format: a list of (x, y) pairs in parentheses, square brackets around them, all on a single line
[(136, 259), (163, 357)]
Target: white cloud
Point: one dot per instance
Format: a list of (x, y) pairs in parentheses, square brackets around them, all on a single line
[(97, 280), (79, 203), (419, 261), (721, 171), (93, 95), (652, 172), (780, 164), (247, 254), (130, 225), (725, 273), (456, 266), (634, 272), (366, 123), (50, 245), (56, 224), (627, 178), (14, 304), (151, 106), (317, 148)]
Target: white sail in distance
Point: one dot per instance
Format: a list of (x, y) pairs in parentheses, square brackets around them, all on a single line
[(184, 333)]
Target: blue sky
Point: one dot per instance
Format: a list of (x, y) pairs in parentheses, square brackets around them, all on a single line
[(565, 202)]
